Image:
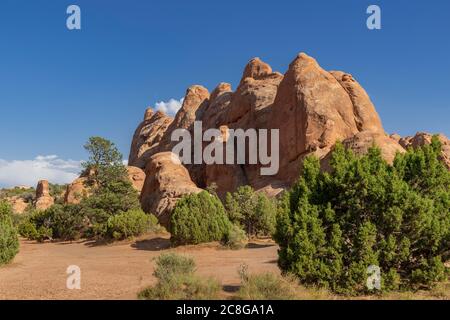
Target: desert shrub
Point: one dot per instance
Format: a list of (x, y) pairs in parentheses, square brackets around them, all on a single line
[(177, 281), (63, 222), (26, 194), (253, 211), (236, 238), (28, 230), (332, 226), (199, 218), (110, 200), (171, 264), (9, 241), (265, 286), (130, 224), (37, 225), (67, 222)]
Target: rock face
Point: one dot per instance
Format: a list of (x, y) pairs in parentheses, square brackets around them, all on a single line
[(312, 108), (76, 191), (166, 182), (136, 177), (366, 117), (147, 137), (43, 199), (18, 204)]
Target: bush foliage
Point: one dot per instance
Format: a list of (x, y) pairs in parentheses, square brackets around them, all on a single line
[(199, 218), (236, 238), (177, 281), (129, 224), (9, 241), (254, 212), (266, 286), (111, 212), (333, 226)]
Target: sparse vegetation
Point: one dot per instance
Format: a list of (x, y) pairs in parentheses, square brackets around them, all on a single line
[(26, 194), (267, 286), (177, 281), (236, 238), (333, 226)]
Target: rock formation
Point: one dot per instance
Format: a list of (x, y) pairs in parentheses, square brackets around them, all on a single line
[(76, 191), (43, 199), (166, 182), (147, 137), (311, 107), (18, 204), (137, 177)]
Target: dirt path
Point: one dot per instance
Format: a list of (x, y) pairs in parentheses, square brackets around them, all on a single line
[(117, 271)]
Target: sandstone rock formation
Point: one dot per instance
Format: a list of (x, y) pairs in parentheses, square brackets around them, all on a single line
[(311, 107), (147, 137), (18, 204), (76, 191), (137, 177), (166, 182), (43, 199)]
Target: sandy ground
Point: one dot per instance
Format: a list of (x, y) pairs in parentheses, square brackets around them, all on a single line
[(118, 271)]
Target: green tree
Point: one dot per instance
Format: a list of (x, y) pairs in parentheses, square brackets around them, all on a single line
[(9, 241), (199, 218), (105, 165), (253, 211), (332, 226), (112, 192)]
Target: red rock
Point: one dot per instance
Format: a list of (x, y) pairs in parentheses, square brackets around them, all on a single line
[(147, 137), (311, 107), (166, 182), (43, 199), (137, 177)]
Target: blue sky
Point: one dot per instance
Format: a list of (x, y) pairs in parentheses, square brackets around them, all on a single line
[(58, 87)]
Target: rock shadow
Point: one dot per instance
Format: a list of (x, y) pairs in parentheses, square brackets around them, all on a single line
[(154, 244)]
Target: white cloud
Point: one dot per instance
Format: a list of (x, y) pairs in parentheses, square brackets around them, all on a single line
[(29, 172), (170, 107)]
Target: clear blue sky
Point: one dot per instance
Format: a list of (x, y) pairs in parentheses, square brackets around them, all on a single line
[(58, 87)]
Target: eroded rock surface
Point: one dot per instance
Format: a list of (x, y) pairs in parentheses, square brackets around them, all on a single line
[(43, 198)]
